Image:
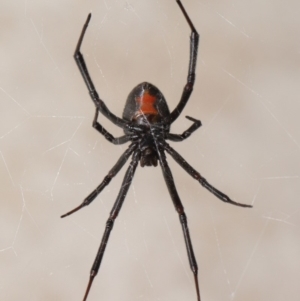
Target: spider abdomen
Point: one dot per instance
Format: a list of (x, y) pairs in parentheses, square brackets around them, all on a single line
[(146, 101)]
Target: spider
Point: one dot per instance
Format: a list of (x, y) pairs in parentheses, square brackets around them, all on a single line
[(146, 123)]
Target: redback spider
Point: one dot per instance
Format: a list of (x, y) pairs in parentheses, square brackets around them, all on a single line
[(146, 123)]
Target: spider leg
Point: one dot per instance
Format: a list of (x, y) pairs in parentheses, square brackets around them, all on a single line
[(89, 83), (117, 141), (188, 88), (182, 216), (113, 215), (117, 167), (187, 133), (196, 175)]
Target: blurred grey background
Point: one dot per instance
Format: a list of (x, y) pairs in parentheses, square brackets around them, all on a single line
[(247, 97)]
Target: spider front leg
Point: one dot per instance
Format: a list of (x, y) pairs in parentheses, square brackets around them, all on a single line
[(122, 160), (113, 215), (196, 175), (188, 88), (117, 141), (89, 83), (187, 133), (182, 216)]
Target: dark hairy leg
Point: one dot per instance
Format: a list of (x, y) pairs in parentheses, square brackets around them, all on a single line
[(117, 167), (196, 175), (89, 83), (187, 133), (117, 141), (188, 88), (113, 215), (182, 216)]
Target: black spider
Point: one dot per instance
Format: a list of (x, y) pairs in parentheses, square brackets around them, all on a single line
[(146, 123)]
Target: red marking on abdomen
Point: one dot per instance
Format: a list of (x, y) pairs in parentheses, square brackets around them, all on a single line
[(147, 102)]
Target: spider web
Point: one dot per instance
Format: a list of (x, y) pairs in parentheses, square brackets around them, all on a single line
[(246, 95)]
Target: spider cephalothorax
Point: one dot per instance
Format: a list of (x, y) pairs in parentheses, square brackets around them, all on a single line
[(148, 156), (146, 123)]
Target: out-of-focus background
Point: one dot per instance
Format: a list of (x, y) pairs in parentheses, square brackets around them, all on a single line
[(247, 97)]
